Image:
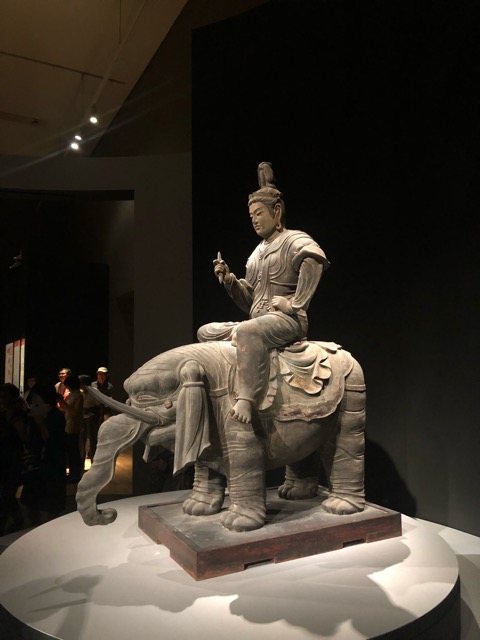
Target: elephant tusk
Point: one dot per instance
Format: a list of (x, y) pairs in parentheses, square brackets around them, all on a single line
[(141, 414)]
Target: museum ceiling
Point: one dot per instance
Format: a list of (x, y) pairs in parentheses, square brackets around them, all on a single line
[(62, 59)]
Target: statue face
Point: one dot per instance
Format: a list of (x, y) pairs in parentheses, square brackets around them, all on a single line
[(264, 223)]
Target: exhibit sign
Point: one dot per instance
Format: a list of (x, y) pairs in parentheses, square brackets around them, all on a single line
[(15, 363)]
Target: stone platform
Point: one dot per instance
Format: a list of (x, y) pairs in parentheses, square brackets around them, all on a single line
[(293, 529)]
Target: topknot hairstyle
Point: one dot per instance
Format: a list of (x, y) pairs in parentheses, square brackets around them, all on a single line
[(268, 193)]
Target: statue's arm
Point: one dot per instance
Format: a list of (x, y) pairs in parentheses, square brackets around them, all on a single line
[(310, 262), (309, 276), (241, 292)]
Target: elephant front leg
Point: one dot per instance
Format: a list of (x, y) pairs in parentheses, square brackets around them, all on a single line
[(246, 474), (208, 492), (301, 479)]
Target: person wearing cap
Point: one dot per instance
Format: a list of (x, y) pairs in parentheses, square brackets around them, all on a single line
[(282, 274), (103, 384)]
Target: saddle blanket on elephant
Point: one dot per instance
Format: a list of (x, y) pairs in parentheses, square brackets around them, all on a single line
[(317, 370), (306, 380)]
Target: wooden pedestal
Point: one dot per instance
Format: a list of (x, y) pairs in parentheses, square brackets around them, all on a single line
[(293, 529)]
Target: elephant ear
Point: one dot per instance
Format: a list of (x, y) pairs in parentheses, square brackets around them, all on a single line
[(193, 428)]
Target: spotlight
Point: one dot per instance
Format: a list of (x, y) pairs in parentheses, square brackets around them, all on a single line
[(78, 137), (93, 116), (75, 145)]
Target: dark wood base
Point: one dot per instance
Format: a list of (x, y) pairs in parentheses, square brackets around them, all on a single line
[(293, 529)]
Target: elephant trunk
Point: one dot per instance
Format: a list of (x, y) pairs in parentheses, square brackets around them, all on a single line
[(115, 435)]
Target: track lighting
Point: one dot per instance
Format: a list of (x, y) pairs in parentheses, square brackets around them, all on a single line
[(78, 138), (93, 115), (75, 143)]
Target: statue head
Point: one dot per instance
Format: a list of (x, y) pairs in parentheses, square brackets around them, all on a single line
[(268, 194)]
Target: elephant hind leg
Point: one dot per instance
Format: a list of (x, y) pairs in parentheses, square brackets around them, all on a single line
[(347, 459), (208, 492), (301, 479)]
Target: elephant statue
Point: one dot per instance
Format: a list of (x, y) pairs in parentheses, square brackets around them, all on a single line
[(312, 415)]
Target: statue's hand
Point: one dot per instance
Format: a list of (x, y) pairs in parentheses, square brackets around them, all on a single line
[(282, 304), (221, 269)]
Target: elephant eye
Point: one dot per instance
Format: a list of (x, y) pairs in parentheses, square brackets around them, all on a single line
[(168, 382)]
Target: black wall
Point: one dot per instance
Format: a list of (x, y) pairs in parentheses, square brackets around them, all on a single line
[(369, 113), (56, 299)]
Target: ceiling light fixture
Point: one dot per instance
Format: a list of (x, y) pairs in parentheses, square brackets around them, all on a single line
[(92, 111), (78, 137), (93, 116), (75, 145)]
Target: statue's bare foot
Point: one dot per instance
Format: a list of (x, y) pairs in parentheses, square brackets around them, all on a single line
[(242, 410), (339, 506), (203, 504), (239, 518), (298, 490)]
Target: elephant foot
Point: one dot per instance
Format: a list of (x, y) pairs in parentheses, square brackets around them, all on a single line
[(239, 518), (203, 504), (339, 506), (298, 489)]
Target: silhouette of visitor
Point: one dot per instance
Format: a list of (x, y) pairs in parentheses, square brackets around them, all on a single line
[(73, 408)]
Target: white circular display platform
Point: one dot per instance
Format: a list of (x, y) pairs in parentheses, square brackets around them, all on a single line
[(75, 582)]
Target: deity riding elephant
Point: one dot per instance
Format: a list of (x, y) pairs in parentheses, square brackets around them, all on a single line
[(312, 415)]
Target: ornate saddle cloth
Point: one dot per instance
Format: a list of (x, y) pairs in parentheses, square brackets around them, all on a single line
[(310, 380), (306, 381)]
